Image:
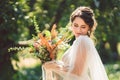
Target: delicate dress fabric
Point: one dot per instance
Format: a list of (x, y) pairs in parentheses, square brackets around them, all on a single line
[(80, 62)]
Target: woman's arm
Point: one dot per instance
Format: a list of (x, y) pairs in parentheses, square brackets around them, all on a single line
[(79, 63), (55, 65), (81, 50)]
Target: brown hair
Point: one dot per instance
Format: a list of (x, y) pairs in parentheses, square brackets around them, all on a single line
[(88, 16)]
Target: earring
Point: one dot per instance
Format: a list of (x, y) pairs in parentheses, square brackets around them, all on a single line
[(88, 33)]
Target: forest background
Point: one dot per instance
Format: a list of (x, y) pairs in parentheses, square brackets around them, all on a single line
[(16, 24)]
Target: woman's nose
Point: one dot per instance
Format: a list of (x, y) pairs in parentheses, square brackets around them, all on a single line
[(78, 30)]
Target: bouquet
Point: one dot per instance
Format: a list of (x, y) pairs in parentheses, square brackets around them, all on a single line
[(47, 44)]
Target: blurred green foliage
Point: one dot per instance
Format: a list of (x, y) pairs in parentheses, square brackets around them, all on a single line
[(16, 24), (29, 73), (113, 70)]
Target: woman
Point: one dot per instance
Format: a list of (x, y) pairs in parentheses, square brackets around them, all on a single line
[(81, 61)]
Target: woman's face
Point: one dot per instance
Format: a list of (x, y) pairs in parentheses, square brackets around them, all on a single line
[(79, 27)]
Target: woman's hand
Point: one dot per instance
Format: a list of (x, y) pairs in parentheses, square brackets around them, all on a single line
[(50, 65), (54, 66)]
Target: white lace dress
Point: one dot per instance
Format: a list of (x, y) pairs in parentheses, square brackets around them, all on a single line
[(80, 62)]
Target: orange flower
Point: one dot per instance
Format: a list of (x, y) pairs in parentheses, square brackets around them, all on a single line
[(53, 32), (51, 47)]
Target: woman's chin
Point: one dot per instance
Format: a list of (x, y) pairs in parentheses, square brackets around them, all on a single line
[(77, 36)]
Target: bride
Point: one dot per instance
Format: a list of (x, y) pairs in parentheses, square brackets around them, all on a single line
[(81, 61)]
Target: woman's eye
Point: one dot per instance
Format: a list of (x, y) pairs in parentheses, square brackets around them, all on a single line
[(76, 25), (83, 27)]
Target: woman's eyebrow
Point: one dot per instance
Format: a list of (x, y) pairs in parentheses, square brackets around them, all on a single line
[(75, 23), (83, 25), (79, 25)]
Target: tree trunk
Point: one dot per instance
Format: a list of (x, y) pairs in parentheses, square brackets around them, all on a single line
[(6, 68), (113, 46), (103, 52), (59, 12)]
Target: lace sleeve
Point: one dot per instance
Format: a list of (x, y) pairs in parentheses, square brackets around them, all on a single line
[(80, 53)]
